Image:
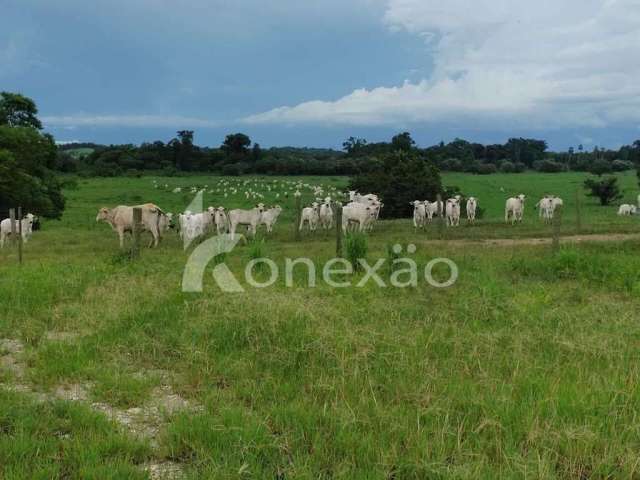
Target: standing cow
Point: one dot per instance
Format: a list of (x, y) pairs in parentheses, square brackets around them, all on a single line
[(326, 214), (310, 216), (452, 211), (251, 218), (121, 220), (514, 209), (27, 228), (419, 214), (472, 204)]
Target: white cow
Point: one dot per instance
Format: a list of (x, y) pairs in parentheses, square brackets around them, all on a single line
[(250, 218), (27, 228), (326, 214), (165, 222), (310, 216), (121, 220), (453, 211), (419, 214), (626, 210), (364, 199), (196, 225), (270, 216), (472, 205), (514, 209), (545, 208), (221, 220), (431, 209), (357, 213)]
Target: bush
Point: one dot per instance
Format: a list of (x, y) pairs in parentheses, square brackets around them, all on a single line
[(606, 189), (452, 165), (356, 247), (549, 166), (486, 169), (598, 167), (508, 167), (621, 165), (234, 169), (520, 167)]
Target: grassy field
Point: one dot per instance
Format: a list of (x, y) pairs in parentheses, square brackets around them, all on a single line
[(525, 368)]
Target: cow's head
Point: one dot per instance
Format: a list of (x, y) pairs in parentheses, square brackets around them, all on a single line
[(522, 197), (103, 214), (260, 207), (315, 206), (415, 203)]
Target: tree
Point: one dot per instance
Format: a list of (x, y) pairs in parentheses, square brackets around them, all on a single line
[(236, 145), (26, 178), (256, 152), (183, 150), (18, 111), (400, 178), (402, 142), (353, 145), (605, 189)]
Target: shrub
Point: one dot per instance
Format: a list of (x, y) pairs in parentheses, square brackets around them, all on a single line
[(549, 166), (508, 167), (486, 169), (621, 165), (606, 189)]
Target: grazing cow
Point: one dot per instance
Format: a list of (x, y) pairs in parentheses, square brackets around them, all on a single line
[(270, 216), (453, 211), (250, 218), (121, 220), (431, 209), (419, 214), (472, 205), (326, 214), (514, 209), (221, 220), (27, 228), (310, 216), (626, 210), (357, 213)]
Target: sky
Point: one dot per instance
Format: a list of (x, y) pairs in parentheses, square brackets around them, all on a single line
[(315, 72)]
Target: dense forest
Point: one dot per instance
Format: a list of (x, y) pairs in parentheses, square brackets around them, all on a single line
[(238, 155)]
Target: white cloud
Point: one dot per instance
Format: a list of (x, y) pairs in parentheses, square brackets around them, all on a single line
[(502, 63), (162, 121)]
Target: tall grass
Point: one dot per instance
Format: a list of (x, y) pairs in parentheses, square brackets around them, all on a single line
[(356, 247)]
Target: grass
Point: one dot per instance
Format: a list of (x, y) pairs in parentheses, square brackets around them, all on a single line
[(525, 368)]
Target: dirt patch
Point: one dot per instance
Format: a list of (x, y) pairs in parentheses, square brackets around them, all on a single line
[(163, 471), (144, 421), (510, 242), (10, 352), (54, 336)]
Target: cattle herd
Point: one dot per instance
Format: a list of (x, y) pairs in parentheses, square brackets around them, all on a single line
[(360, 213)]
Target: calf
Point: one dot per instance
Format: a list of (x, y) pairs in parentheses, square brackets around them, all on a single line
[(419, 214), (310, 216), (326, 214), (472, 205), (452, 211)]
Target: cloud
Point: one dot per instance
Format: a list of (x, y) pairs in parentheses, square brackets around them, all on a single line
[(502, 63), (162, 121)]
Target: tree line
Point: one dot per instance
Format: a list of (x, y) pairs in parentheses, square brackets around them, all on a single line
[(238, 155)]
